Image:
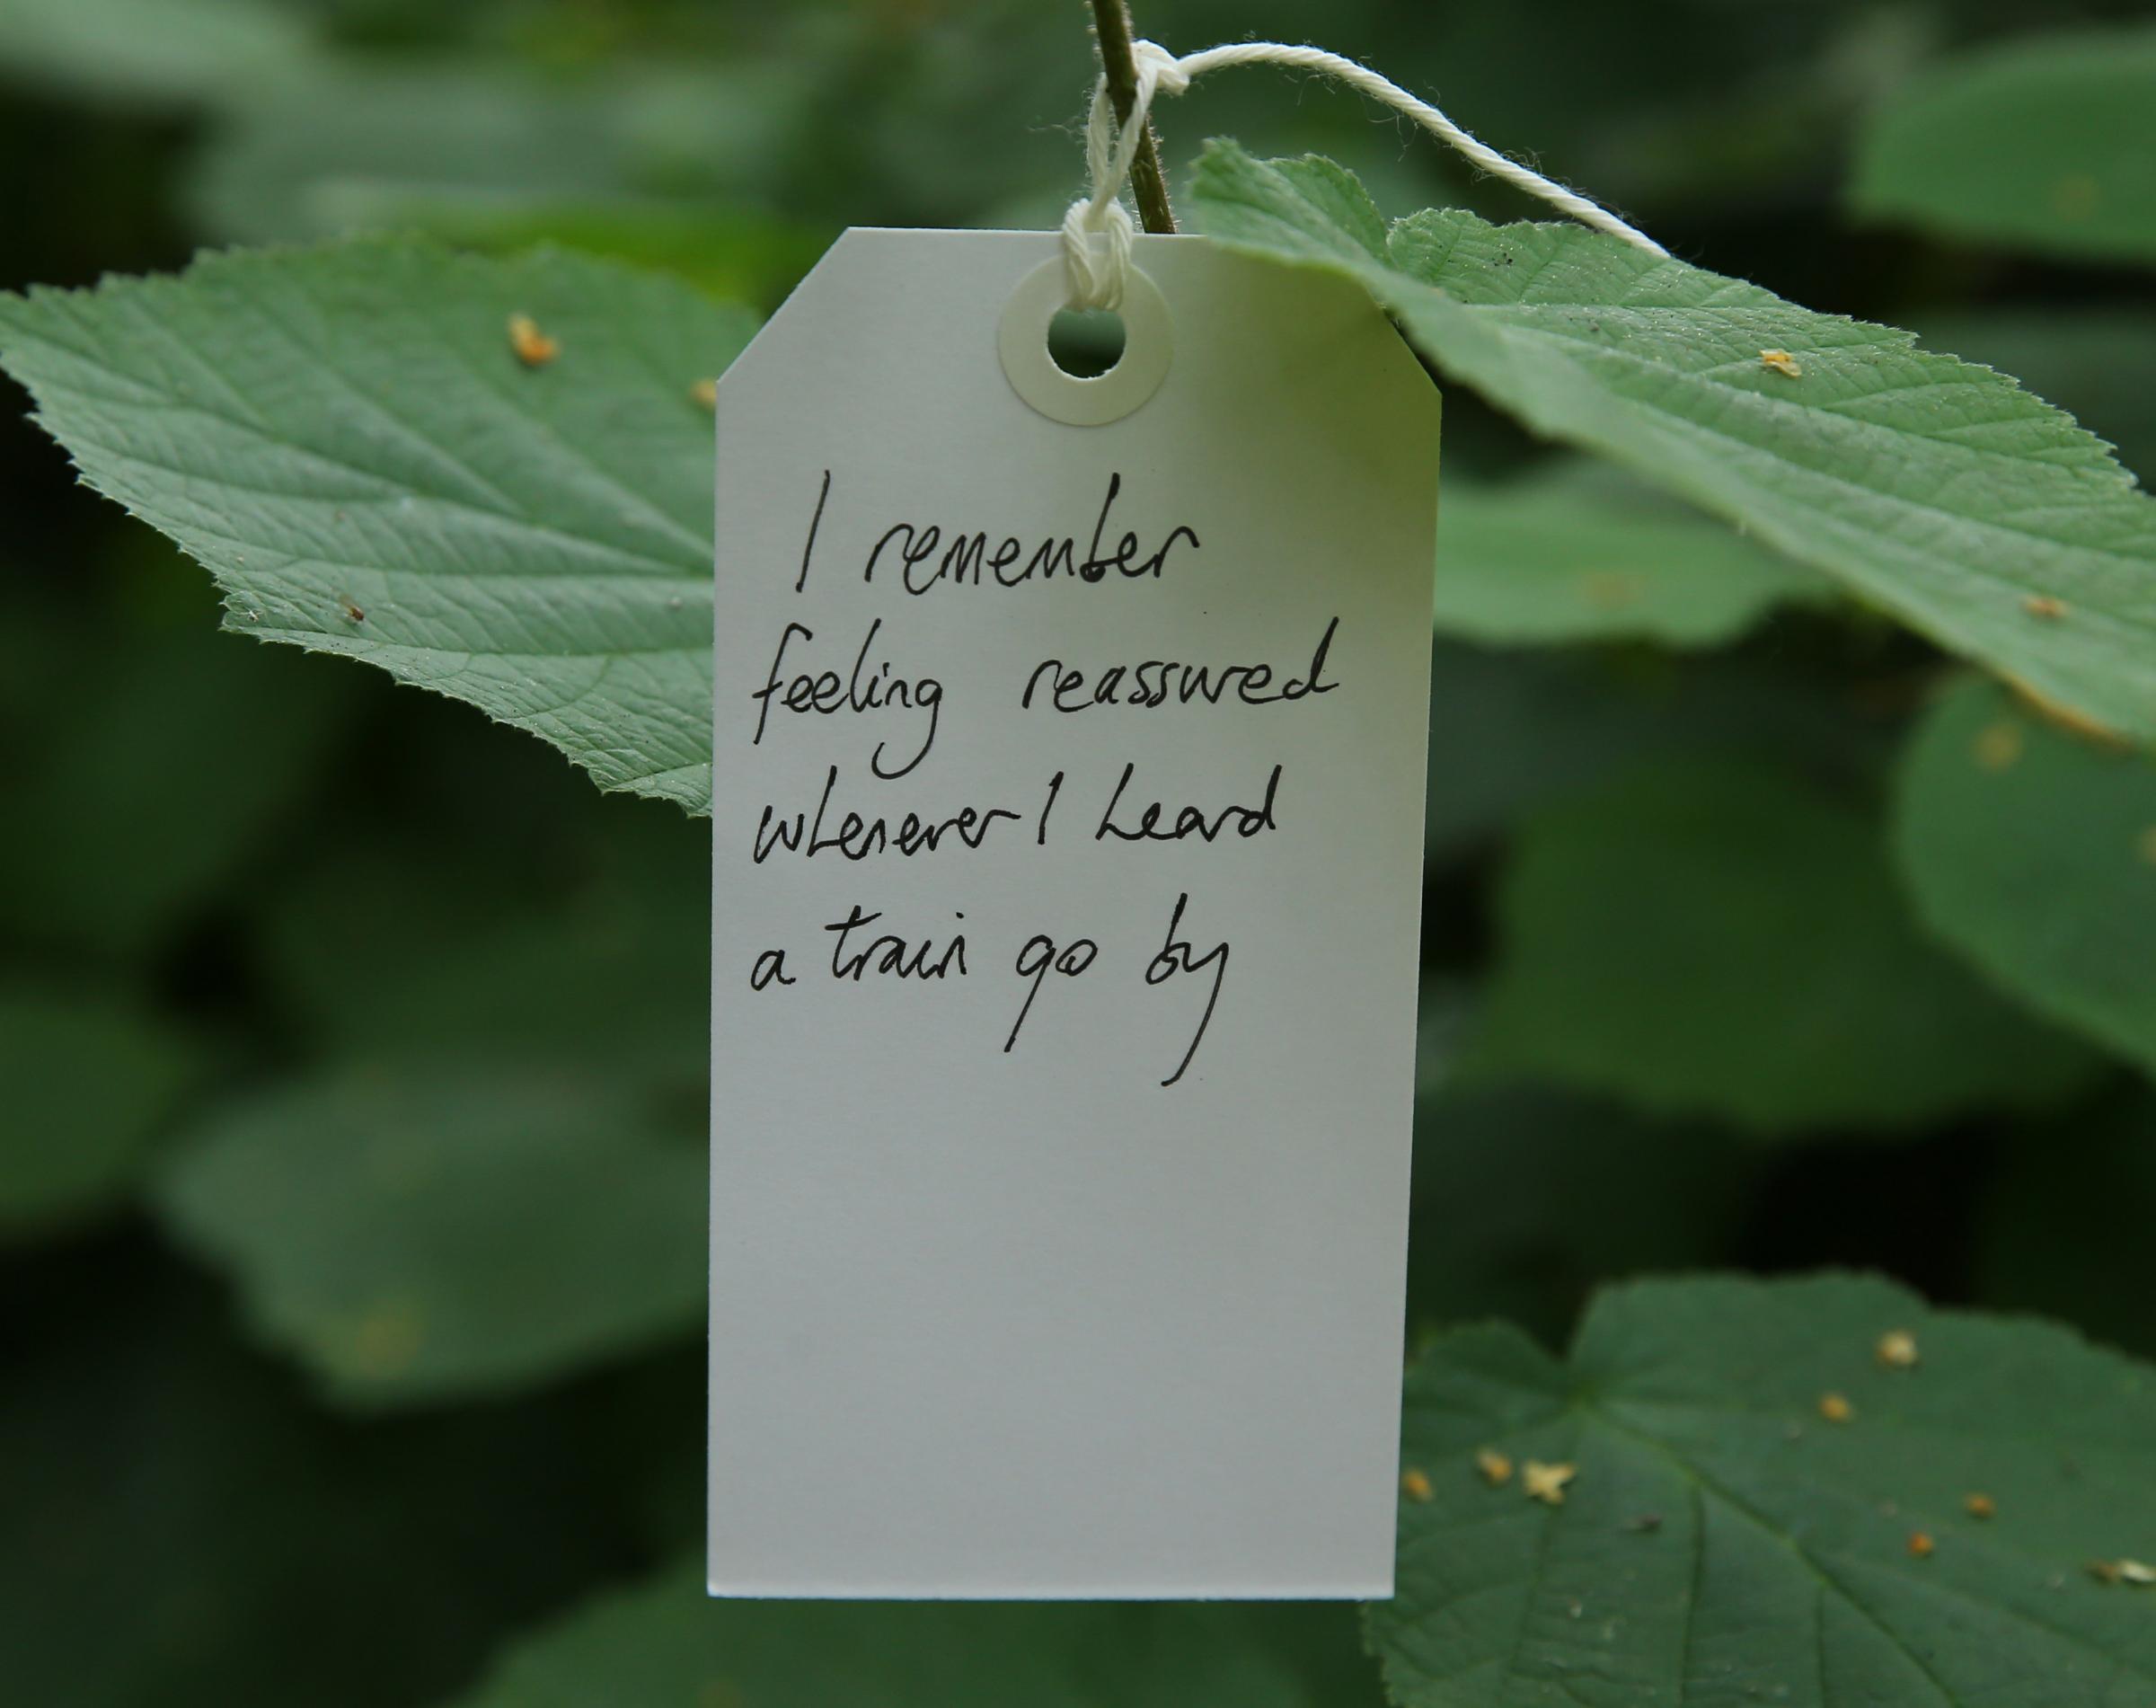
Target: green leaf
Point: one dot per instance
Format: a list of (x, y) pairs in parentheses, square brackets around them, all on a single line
[(345, 438), (665, 1642), (86, 1082), (1715, 939), (1577, 552), (2046, 143), (1722, 1543), (434, 1237), (1940, 492), (2033, 851)]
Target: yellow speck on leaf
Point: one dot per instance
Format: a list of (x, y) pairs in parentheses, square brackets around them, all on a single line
[(1980, 1505), (1782, 362), (1546, 1482), (1495, 1468), (1896, 1350), (1415, 1484), (1922, 1546), (2132, 1572), (532, 347), (2044, 606), (1998, 745), (706, 393), (1835, 1408)]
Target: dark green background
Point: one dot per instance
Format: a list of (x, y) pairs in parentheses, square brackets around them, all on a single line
[(249, 869)]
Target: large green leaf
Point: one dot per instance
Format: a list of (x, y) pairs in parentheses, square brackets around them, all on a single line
[(1713, 939), (1577, 552), (345, 437), (432, 1237), (665, 1643), (86, 1081), (1722, 1543), (2033, 851), (2048, 143), (1942, 492)]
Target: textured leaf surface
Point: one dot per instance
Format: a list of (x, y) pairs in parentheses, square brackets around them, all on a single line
[(1938, 490), (426, 1239), (345, 438), (667, 1642), (1578, 552), (85, 1084), (1723, 1543), (2046, 143), (1715, 939), (2033, 851)]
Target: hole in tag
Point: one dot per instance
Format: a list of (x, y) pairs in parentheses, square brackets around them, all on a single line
[(1086, 342), (1059, 361)]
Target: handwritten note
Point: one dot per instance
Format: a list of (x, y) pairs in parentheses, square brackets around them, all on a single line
[(1068, 807)]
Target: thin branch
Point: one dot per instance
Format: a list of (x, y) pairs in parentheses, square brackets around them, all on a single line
[(1148, 184)]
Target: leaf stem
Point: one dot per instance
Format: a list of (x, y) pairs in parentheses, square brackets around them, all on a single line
[(1148, 184)]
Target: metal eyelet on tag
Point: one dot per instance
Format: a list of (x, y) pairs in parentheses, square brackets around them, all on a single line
[(1022, 341)]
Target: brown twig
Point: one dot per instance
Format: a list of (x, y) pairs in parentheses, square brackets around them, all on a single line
[(1148, 184)]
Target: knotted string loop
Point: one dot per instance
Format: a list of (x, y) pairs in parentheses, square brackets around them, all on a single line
[(1098, 229)]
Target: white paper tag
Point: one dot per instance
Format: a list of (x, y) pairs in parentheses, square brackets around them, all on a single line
[(1068, 809)]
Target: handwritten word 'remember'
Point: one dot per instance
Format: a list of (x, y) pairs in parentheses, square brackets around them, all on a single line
[(923, 555)]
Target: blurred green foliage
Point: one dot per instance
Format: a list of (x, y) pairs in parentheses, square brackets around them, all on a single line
[(349, 1274)]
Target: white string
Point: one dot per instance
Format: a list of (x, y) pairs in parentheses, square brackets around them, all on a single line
[(1096, 272)]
